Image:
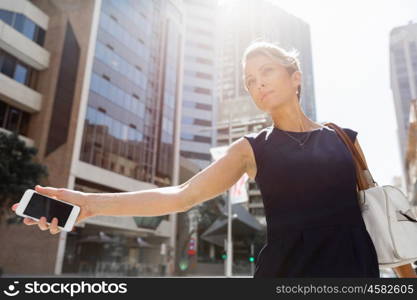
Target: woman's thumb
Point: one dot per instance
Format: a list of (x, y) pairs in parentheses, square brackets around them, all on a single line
[(47, 191), (59, 193)]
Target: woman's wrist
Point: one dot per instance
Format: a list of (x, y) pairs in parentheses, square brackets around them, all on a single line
[(105, 204)]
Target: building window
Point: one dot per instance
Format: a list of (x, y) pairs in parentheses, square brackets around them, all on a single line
[(204, 75), (202, 91), (3, 108), (202, 139), (18, 22), (202, 122), (40, 36), (6, 16), (8, 65), (196, 155), (204, 46), (148, 222), (29, 29), (204, 61), (13, 68), (204, 106), (21, 73), (13, 119), (24, 25), (12, 123)]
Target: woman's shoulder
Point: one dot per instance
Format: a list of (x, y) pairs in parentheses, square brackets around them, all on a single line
[(259, 136), (348, 130), (256, 140), (351, 133)]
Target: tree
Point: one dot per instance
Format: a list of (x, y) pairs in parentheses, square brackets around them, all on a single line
[(209, 211), (18, 171)]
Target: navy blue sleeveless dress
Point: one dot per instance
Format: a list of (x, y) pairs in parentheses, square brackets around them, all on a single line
[(314, 223)]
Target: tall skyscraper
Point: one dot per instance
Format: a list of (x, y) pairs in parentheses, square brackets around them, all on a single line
[(403, 73), (199, 94)]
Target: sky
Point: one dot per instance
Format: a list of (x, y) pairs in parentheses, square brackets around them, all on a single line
[(350, 45)]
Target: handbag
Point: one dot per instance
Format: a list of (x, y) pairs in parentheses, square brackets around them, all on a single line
[(390, 219)]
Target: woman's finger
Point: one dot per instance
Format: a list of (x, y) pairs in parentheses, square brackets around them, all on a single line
[(14, 207), (42, 224), (54, 226), (29, 221)]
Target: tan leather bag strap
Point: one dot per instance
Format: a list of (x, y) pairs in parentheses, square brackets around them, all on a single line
[(364, 178)]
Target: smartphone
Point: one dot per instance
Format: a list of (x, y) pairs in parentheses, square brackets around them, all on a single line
[(34, 205)]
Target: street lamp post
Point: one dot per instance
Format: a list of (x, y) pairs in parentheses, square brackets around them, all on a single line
[(229, 261), (228, 241)]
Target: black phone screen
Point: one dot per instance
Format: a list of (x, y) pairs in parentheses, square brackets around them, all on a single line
[(42, 206)]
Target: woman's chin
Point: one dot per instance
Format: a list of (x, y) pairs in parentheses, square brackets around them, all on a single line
[(273, 105), (269, 105)]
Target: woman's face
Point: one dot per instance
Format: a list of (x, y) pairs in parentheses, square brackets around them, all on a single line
[(269, 83)]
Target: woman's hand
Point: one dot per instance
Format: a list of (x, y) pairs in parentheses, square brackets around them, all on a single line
[(75, 197)]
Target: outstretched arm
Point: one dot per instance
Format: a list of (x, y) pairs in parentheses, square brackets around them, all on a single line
[(207, 184)]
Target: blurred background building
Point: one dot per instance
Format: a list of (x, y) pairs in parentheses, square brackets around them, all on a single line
[(243, 22), (200, 76), (403, 72), (198, 113)]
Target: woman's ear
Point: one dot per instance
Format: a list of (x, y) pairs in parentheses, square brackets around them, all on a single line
[(296, 78)]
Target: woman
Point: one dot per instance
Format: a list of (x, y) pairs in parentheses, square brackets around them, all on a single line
[(301, 167)]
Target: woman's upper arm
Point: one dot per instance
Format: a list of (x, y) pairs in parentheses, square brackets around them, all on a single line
[(218, 177)]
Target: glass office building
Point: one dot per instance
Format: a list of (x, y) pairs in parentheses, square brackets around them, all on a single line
[(130, 124), (116, 135), (133, 93)]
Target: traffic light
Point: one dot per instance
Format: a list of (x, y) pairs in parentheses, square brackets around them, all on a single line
[(183, 263), (224, 255), (251, 259)]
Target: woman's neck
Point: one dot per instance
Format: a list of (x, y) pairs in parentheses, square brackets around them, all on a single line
[(292, 118)]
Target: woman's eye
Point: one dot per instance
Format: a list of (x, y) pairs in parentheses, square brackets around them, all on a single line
[(267, 70)]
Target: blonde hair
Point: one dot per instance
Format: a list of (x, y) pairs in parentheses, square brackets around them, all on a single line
[(288, 59)]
